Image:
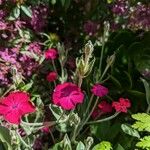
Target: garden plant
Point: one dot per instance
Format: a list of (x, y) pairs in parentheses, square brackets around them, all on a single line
[(74, 75)]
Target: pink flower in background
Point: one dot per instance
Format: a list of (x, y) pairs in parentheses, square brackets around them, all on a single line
[(105, 107), (45, 129), (51, 54), (52, 76), (122, 105), (15, 105), (67, 95), (35, 47), (96, 113), (99, 90)]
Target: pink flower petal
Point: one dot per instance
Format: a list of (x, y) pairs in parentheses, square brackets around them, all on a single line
[(13, 117), (66, 104), (77, 97), (26, 108), (19, 96)]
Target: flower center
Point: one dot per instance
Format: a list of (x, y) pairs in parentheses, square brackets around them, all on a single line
[(67, 91), (15, 106)]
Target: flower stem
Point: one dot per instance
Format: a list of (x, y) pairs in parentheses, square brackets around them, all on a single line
[(80, 81), (52, 136), (54, 66), (85, 121), (32, 124), (9, 89), (105, 119), (89, 104), (107, 67), (102, 53), (21, 139)]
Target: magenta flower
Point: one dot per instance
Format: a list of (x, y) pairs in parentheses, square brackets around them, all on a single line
[(67, 95), (122, 105), (105, 107), (16, 105), (99, 90), (51, 54), (52, 76)]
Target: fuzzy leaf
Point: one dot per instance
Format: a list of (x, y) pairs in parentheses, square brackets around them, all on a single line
[(129, 130), (26, 10), (142, 123)]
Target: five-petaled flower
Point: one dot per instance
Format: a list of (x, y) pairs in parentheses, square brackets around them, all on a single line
[(51, 54), (15, 105), (67, 95), (122, 105), (99, 90), (52, 76)]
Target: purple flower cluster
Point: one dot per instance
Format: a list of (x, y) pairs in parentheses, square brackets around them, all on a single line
[(91, 27), (120, 7), (134, 18), (39, 17), (12, 57), (139, 17)]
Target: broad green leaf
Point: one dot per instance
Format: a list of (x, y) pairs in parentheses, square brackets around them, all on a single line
[(5, 137), (147, 90), (136, 93), (129, 130), (80, 146), (119, 147), (142, 123), (104, 145), (144, 143), (26, 10)]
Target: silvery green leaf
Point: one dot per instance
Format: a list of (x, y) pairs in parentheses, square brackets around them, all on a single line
[(67, 143), (80, 146), (26, 10), (130, 131)]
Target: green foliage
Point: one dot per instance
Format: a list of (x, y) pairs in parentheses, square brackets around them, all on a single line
[(104, 145), (80, 146), (130, 131), (147, 89), (119, 147), (142, 123), (5, 137), (65, 144), (26, 10), (144, 143)]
